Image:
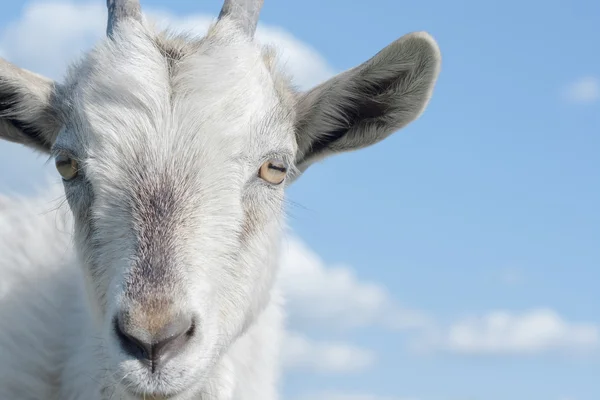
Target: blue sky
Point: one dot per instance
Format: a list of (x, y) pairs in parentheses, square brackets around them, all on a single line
[(487, 206)]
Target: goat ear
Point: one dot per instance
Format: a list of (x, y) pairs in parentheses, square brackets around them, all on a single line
[(364, 105), (27, 113)]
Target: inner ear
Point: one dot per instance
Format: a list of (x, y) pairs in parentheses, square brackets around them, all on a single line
[(364, 105), (364, 101), (28, 108), (19, 120)]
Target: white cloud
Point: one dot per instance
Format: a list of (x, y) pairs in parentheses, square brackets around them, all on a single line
[(335, 395), (533, 332), (299, 352), (49, 35), (334, 295), (583, 90)]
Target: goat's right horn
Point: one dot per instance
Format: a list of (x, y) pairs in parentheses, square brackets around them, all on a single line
[(244, 12), (120, 10)]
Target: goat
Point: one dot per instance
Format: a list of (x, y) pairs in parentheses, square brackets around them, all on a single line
[(174, 154)]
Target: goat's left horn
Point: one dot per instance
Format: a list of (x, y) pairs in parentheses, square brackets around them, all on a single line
[(120, 10), (244, 12)]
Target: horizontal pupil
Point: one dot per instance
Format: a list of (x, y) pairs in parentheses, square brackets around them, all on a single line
[(275, 167)]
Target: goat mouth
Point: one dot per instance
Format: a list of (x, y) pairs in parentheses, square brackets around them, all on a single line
[(152, 396), (143, 395)]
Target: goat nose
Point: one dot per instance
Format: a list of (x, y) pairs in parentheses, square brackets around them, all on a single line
[(154, 349)]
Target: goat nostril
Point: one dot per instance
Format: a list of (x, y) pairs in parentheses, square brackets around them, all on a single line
[(132, 345), (155, 349), (190, 332)]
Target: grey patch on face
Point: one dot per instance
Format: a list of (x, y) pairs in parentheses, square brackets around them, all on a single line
[(172, 53), (174, 49), (156, 212)]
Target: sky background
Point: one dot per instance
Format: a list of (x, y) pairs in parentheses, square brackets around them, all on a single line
[(460, 258)]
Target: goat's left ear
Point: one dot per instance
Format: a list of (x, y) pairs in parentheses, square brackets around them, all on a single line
[(366, 104)]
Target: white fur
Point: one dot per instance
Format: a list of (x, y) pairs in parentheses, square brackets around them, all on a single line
[(168, 214)]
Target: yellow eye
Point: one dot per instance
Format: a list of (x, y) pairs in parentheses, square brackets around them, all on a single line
[(66, 166), (273, 172)]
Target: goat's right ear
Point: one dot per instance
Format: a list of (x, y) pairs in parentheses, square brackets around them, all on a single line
[(27, 108)]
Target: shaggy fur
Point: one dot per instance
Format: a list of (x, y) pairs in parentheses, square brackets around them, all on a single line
[(168, 215)]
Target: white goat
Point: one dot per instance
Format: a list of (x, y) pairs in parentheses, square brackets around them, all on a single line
[(174, 152)]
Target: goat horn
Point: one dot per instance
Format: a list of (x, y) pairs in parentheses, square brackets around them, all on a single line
[(120, 10), (244, 12)]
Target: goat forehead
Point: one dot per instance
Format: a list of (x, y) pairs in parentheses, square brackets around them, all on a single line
[(132, 103)]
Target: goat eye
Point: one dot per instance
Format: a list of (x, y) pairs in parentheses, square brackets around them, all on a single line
[(273, 172), (67, 167)]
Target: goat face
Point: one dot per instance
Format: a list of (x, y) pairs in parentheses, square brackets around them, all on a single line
[(174, 171)]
